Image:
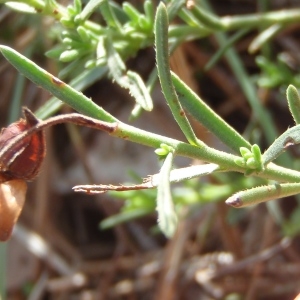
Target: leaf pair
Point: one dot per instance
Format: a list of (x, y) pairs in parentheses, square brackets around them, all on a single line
[(251, 159)]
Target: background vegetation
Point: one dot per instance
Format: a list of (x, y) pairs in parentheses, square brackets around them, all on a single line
[(240, 65)]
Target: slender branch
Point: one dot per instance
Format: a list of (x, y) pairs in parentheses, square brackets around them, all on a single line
[(225, 161), (261, 19), (118, 129), (152, 181), (67, 118)]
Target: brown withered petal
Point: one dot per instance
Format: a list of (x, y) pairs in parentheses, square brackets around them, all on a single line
[(12, 197), (24, 159)]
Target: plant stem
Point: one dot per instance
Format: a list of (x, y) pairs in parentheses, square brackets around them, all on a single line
[(207, 154), (262, 19), (118, 129)]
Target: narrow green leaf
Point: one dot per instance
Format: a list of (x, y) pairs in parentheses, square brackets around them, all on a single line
[(257, 156), (167, 217), (181, 33), (164, 74), (262, 194), (205, 115), (149, 11), (184, 13), (109, 15), (293, 102), (230, 41), (79, 83), (127, 79), (21, 7), (77, 6), (91, 6), (84, 34), (123, 217), (206, 18), (174, 7), (55, 86), (139, 91), (289, 138), (16, 99), (131, 11), (264, 37), (115, 63)]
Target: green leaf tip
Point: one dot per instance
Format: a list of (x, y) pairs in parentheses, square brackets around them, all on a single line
[(3, 49), (293, 99), (261, 194)]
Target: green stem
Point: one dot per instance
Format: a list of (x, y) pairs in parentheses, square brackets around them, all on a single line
[(84, 105), (262, 19), (198, 16), (224, 160), (89, 9), (230, 42), (207, 19)]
